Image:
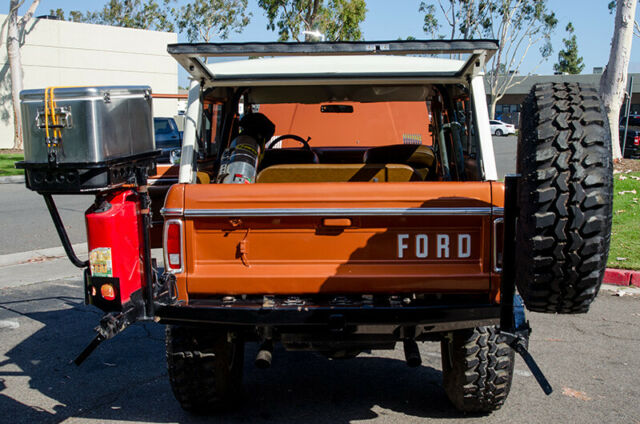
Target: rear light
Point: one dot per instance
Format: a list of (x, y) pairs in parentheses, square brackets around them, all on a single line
[(498, 241), (636, 140), (108, 292), (173, 252)]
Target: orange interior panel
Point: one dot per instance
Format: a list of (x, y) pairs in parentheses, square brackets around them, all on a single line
[(370, 124)]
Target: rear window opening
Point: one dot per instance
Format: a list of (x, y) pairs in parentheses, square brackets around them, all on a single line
[(353, 134)]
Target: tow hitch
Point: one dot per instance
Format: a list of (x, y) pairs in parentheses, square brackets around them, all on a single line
[(514, 329), (110, 325)]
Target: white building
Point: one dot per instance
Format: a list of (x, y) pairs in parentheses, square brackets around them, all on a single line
[(58, 53)]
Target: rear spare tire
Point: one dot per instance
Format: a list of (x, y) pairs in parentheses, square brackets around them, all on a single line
[(564, 197)]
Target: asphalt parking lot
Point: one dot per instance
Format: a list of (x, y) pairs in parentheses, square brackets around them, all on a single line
[(591, 360)]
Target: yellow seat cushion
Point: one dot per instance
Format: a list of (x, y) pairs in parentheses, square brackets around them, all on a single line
[(311, 173)]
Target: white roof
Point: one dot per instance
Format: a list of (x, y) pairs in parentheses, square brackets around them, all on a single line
[(333, 66), (338, 62)]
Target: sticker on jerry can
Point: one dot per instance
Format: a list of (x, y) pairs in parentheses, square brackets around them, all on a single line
[(100, 262)]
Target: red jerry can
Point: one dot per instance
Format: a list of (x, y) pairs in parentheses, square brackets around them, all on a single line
[(116, 257)]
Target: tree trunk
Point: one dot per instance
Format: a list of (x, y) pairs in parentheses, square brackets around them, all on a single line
[(613, 82), (492, 107), (15, 31), (311, 20), (15, 66)]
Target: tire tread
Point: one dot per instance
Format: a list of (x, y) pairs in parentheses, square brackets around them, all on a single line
[(565, 198)]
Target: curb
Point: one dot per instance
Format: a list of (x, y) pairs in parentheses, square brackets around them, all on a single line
[(621, 277), (12, 179), (40, 255)]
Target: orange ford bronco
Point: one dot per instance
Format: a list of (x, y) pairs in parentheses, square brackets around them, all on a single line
[(340, 197)]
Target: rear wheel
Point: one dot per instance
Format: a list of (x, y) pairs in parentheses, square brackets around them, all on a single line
[(205, 367), (565, 195), (477, 369), (498, 132)]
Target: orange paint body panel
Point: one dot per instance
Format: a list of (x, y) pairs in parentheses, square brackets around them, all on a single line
[(387, 252), (370, 124)]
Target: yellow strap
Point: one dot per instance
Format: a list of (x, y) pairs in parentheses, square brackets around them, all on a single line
[(50, 110), (46, 113)]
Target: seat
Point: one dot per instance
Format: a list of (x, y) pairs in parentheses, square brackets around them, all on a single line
[(287, 156), (418, 156), (332, 172)]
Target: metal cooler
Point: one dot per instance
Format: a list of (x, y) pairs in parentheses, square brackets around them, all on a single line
[(84, 139)]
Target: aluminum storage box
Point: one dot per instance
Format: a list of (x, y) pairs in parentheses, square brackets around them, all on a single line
[(95, 140)]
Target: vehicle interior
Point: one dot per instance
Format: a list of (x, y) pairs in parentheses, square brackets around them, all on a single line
[(348, 133)]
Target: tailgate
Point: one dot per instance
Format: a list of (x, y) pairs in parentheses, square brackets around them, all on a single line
[(337, 238)]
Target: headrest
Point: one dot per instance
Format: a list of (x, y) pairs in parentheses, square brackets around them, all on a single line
[(287, 156), (414, 155), (257, 126)]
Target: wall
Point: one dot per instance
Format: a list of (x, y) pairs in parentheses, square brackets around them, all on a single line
[(58, 53)]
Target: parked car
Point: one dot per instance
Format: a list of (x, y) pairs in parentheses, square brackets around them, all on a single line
[(501, 128), (632, 146), (168, 139)]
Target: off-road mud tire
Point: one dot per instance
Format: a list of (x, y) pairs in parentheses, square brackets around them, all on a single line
[(564, 196), (205, 368), (477, 369)]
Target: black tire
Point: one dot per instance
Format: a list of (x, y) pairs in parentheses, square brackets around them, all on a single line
[(205, 369), (498, 132), (565, 198), (477, 369)]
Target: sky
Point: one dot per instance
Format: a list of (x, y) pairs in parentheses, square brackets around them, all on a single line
[(391, 19)]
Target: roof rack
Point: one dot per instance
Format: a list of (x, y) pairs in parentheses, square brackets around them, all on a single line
[(189, 54)]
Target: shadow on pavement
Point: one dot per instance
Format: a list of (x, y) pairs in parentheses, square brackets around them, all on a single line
[(125, 379)]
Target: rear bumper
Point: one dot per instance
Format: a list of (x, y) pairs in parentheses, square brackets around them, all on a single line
[(426, 318)]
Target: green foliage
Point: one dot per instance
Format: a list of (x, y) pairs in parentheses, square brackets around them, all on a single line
[(59, 13), (199, 20), (335, 19), (568, 59), (202, 20), (625, 237), (464, 18), (513, 22), (517, 25), (143, 14), (76, 16), (7, 161)]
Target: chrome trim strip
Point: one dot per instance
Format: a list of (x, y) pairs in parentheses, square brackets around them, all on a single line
[(194, 213), (496, 221), (171, 212), (165, 255), (498, 211)]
